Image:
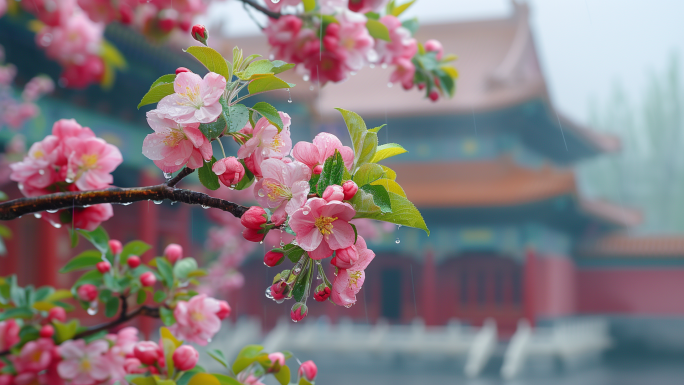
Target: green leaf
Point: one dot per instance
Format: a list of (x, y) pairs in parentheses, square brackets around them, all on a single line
[(73, 236), (364, 204), (299, 288), (376, 129), (207, 176), (293, 253), (387, 151), (183, 267), (332, 172), (111, 307), (247, 355), (219, 357), (111, 282), (372, 15), (398, 10), (281, 66), (380, 196), (98, 238), (170, 78), (137, 248), (59, 295), (390, 186), (204, 379), (156, 93), (166, 316), (368, 173), (446, 81), (412, 25), (26, 334), (4, 196), (141, 298), (378, 30), (283, 375), (270, 113), (356, 232), (211, 59), (268, 83), (314, 181), (256, 69), (309, 5), (43, 305), (368, 148), (225, 380), (247, 179), (159, 296), (64, 332), (214, 129), (165, 270), (356, 126), (142, 380), (403, 213), (17, 312), (239, 116), (44, 292), (86, 259), (93, 276)]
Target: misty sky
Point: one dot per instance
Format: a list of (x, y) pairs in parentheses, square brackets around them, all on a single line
[(586, 46)]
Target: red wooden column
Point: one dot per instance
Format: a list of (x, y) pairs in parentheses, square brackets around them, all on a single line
[(10, 263), (429, 283), (47, 258), (148, 220), (529, 286)]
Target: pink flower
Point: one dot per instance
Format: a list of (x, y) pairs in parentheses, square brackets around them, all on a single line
[(185, 358), (254, 218), (351, 36), (173, 145), (36, 172), (126, 339), (299, 311), (349, 281), (134, 366), (147, 352), (276, 6), (277, 358), (333, 193), (148, 279), (272, 258), (284, 187), (84, 364), (322, 227), (9, 334), (55, 314), (35, 356), (89, 218), (401, 44), (82, 74), (173, 252), (229, 170), (363, 6), (349, 188), (87, 292), (91, 162), (69, 128), (267, 142), (248, 378), (323, 147), (72, 40), (282, 36), (308, 370), (196, 100), (404, 73), (196, 320), (50, 12), (322, 293), (345, 258), (224, 310), (433, 45)]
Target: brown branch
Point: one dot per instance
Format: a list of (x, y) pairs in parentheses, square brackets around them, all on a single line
[(262, 9), (16, 208), (184, 172)]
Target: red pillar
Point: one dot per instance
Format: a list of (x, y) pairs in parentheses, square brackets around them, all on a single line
[(429, 283), (47, 257), (148, 220), (10, 261), (529, 286)]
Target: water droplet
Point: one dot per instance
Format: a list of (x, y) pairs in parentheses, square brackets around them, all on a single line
[(398, 227), (372, 65), (41, 172), (46, 39), (294, 320), (348, 306), (52, 211), (261, 193), (289, 97), (353, 73), (21, 186), (282, 243), (57, 225), (208, 339), (157, 202), (306, 78), (306, 210), (296, 270), (397, 240), (261, 243), (268, 293), (92, 309), (69, 180), (168, 175), (384, 65), (271, 57), (37, 215), (318, 277), (86, 206), (126, 203), (275, 1), (311, 88), (280, 300), (294, 243), (389, 85), (205, 207)]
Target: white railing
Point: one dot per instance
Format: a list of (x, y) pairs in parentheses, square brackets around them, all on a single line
[(482, 348)]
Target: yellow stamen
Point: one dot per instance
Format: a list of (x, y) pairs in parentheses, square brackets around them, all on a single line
[(276, 191), (38, 154), (174, 137), (89, 160), (191, 97), (324, 224), (86, 365), (354, 277), (197, 316)]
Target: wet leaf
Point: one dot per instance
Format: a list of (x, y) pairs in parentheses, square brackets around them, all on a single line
[(207, 176)]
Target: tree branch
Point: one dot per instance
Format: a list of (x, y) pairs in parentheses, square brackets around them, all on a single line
[(16, 208), (262, 9), (184, 172)]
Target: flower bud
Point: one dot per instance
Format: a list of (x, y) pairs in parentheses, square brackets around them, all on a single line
[(299, 311), (224, 310), (434, 95), (87, 292), (308, 370), (254, 217), (273, 258), (182, 69), (278, 290), (322, 292), (421, 86), (133, 366), (318, 169), (229, 170), (133, 261), (103, 266), (333, 193), (199, 33), (253, 235), (6, 379), (349, 188), (115, 246), (433, 45), (147, 352), (47, 331), (167, 19), (185, 358), (57, 314), (173, 252), (277, 360), (148, 279), (345, 258)]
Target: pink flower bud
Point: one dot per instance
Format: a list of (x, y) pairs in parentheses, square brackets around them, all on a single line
[(167, 19), (253, 218), (47, 331), (350, 188), (6, 379), (133, 366), (433, 45), (278, 290), (434, 95), (345, 258), (318, 169), (199, 33), (185, 358), (148, 279), (182, 69), (133, 261), (87, 292), (115, 246), (273, 258), (229, 170), (224, 310), (333, 193), (277, 360), (421, 86), (103, 266), (308, 370), (322, 292), (253, 235), (299, 312), (173, 252), (147, 352), (57, 314)]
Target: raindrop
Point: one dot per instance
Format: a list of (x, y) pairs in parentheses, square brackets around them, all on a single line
[(41, 172), (268, 293), (348, 306), (126, 203), (318, 277), (397, 240), (296, 270), (280, 300), (209, 340), (353, 73), (57, 225), (37, 215), (261, 242), (271, 57), (92, 309), (157, 202), (372, 65), (205, 207), (389, 85), (52, 211), (398, 227), (21, 186), (384, 65), (289, 96), (46, 39), (69, 180), (173, 203), (275, 1), (306, 78), (294, 320), (168, 175), (282, 243), (311, 88), (85, 206), (261, 193), (306, 210)]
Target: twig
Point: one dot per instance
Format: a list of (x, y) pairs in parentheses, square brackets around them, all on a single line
[(184, 172), (262, 9)]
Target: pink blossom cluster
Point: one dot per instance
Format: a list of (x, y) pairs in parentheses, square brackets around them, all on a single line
[(71, 159)]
